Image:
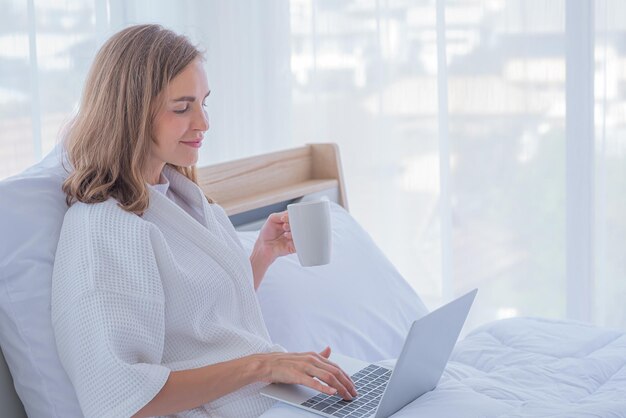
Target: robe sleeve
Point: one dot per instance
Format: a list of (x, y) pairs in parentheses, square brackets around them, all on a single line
[(108, 310)]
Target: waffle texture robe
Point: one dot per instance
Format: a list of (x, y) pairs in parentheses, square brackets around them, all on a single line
[(134, 298)]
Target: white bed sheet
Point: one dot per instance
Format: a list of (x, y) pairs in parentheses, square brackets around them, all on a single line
[(525, 367)]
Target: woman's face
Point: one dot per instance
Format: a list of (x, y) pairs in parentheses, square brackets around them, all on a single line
[(180, 124)]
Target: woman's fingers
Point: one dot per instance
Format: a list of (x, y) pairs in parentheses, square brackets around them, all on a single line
[(279, 217), (277, 231), (335, 375), (341, 377), (325, 354), (332, 380), (313, 370), (318, 386), (281, 220)]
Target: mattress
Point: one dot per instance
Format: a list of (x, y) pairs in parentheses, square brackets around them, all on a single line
[(525, 367)]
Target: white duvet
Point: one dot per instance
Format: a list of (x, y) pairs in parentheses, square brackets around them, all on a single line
[(525, 367)]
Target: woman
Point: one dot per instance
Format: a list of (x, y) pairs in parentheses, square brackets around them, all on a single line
[(153, 302)]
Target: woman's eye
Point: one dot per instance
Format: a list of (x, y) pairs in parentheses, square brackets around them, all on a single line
[(203, 104), (181, 110)]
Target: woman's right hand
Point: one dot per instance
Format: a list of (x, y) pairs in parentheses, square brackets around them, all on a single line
[(304, 368)]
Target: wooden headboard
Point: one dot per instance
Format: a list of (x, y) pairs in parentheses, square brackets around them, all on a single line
[(253, 187)]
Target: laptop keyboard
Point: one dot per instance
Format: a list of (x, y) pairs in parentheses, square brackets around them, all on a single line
[(370, 384)]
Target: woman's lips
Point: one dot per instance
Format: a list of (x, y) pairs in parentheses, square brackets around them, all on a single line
[(194, 144)]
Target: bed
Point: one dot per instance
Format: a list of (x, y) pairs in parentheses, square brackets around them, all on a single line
[(359, 305)]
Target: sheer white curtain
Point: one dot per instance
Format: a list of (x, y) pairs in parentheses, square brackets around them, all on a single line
[(609, 290), (482, 140)]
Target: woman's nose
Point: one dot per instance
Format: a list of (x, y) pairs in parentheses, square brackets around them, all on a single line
[(202, 120)]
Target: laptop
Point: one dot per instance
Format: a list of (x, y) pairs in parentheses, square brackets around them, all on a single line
[(382, 391)]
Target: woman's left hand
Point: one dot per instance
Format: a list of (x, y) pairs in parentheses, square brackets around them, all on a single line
[(275, 236)]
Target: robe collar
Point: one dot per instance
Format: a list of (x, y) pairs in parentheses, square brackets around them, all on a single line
[(208, 235)]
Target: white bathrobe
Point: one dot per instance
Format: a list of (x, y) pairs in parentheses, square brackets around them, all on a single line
[(134, 298)]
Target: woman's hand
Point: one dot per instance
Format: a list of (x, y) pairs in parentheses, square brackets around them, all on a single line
[(275, 236), (187, 389), (306, 369), (274, 241)]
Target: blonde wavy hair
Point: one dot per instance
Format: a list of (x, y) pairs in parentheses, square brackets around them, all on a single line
[(108, 141)]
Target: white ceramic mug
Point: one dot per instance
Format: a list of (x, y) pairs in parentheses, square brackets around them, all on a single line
[(311, 231)]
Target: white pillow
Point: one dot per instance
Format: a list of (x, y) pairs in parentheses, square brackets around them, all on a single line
[(32, 207), (358, 304)]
